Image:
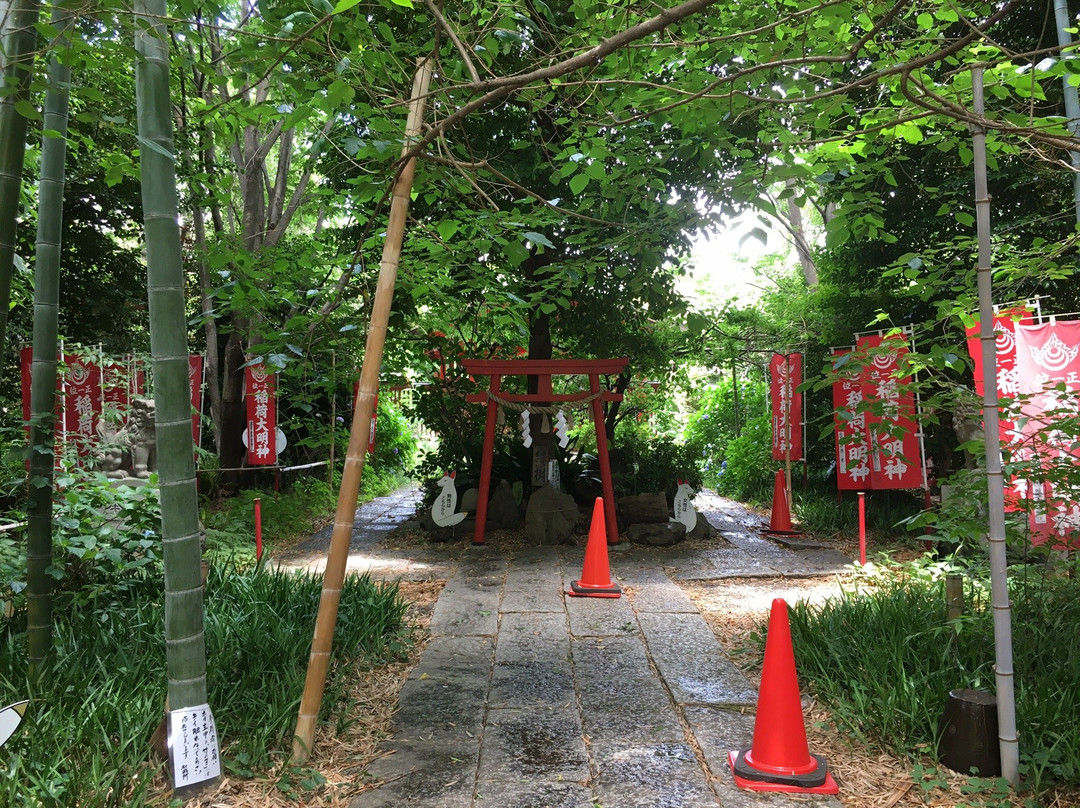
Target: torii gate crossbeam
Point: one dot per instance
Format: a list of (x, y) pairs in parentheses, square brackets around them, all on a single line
[(544, 369)]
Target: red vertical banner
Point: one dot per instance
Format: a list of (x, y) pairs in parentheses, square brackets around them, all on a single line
[(895, 454), (1008, 384), (82, 403), (1048, 373), (785, 376), (1004, 350), (259, 390), (195, 378), (850, 422), (116, 391)]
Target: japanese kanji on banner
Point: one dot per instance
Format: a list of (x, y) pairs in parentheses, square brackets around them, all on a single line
[(852, 438), (785, 376), (259, 389), (1048, 373), (82, 403), (1008, 381), (876, 429), (1004, 350), (92, 397)]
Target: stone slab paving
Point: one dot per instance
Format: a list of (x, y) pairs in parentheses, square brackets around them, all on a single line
[(529, 698)]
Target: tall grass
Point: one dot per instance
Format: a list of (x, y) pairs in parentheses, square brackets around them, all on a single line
[(884, 657), (85, 737)]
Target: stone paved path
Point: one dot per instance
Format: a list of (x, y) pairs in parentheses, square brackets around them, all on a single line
[(528, 698)]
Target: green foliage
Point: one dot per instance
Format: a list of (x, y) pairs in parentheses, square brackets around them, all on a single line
[(286, 515), (649, 463), (106, 538), (395, 443), (104, 695), (883, 658), (713, 419), (750, 471)]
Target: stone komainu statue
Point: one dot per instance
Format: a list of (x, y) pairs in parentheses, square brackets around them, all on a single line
[(143, 438), (130, 451)]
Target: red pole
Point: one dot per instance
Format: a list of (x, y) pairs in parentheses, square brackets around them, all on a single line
[(485, 463), (605, 463), (862, 528), (258, 530)]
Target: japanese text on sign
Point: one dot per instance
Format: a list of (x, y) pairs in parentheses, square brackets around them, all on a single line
[(193, 746)]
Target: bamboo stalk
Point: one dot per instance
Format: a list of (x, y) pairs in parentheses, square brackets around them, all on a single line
[(334, 576), (39, 542), (995, 479), (19, 48)]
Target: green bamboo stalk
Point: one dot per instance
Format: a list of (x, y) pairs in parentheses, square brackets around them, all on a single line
[(185, 644), (43, 364), (18, 70)]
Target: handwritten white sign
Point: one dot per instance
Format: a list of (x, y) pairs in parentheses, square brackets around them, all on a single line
[(193, 746)]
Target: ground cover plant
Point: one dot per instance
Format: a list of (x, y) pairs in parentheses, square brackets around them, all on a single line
[(86, 735), (882, 657)]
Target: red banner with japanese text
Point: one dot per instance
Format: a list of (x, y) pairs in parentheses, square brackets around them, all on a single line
[(1008, 382), (1005, 323), (116, 391), (895, 451), (81, 403), (1048, 373), (261, 434), (852, 445), (785, 376), (875, 418)]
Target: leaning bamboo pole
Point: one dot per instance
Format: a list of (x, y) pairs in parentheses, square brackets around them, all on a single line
[(334, 576), (995, 479)]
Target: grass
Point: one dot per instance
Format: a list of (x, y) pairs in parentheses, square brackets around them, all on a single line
[(85, 737), (883, 657), (230, 523)]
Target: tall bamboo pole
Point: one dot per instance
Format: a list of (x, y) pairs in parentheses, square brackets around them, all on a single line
[(334, 576), (1072, 103), (19, 48), (185, 638), (39, 538), (995, 480)]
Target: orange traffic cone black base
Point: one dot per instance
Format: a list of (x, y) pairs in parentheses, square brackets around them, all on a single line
[(595, 577), (817, 781), (780, 523), (779, 759)]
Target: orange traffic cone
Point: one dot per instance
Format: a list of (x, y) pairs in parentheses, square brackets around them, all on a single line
[(780, 523), (595, 577), (779, 759)]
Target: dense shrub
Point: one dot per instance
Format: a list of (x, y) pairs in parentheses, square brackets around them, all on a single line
[(106, 537), (749, 470), (647, 463), (711, 425)]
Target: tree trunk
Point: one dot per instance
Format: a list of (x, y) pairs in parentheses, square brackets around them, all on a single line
[(802, 246), (19, 51), (185, 646), (43, 366)]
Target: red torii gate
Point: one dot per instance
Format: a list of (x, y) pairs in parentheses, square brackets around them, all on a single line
[(544, 369)]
